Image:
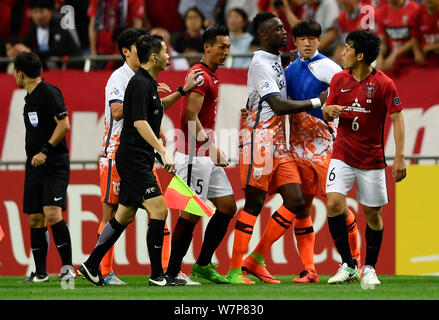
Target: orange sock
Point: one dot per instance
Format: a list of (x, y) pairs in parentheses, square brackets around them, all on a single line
[(166, 247), (354, 243), (278, 224), (305, 237), (107, 261), (243, 233)]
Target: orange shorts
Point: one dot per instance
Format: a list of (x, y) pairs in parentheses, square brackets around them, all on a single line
[(312, 176), (284, 171), (110, 180)]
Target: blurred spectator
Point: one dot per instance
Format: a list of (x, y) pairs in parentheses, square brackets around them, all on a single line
[(239, 38), (81, 19), (15, 19), (326, 13), (209, 8), (193, 23), (249, 6), (175, 64), (398, 23), (354, 15), (109, 15), (47, 37), (192, 46), (163, 14), (429, 31)]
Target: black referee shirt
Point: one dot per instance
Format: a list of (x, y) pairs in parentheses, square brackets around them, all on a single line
[(141, 102), (43, 104)]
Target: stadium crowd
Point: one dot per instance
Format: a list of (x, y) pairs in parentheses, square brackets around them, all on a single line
[(62, 28)]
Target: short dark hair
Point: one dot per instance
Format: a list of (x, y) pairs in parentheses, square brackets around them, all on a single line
[(127, 38), (307, 28), (260, 18), (48, 4), (29, 63), (365, 42), (209, 36), (148, 44), (198, 12)]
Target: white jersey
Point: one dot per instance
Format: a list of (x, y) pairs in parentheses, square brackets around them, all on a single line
[(265, 78), (114, 92)]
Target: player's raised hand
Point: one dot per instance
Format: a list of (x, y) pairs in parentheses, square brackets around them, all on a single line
[(399, 170), (163, 87), (193, 79)]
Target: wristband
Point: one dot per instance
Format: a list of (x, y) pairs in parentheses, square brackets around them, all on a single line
[(180, 89), (316, 103), (46, 148)]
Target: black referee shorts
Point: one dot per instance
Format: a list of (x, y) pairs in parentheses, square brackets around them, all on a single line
[(137, 182), (47, 184)]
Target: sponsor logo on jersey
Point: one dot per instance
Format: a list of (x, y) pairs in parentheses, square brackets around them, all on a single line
[(369, 92), (397, 101), (115, 91), (264, 84), (198, 78)]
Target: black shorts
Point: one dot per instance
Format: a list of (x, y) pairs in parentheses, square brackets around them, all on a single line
[(47, 184), (137, 182)]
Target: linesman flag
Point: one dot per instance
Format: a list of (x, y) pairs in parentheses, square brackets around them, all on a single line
[(178, 195), (2, 234)]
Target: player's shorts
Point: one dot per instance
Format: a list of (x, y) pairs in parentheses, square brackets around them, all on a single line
[(47, 184), (284, 171), (313, 176), (205, 178), (371, 183), (110, 181), (137, 183)]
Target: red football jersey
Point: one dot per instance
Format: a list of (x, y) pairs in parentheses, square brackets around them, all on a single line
[(208, 88), (359, 141), (399, 25), (429, 27)]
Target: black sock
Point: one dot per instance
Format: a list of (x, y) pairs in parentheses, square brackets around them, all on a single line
[(154, 241), (339, 233), (40, 245), (180, 242), (215, 231), (107, 239), (61, 235), (373, 243)]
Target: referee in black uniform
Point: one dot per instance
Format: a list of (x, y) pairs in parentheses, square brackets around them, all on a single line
[(47, 165), (142, 114)]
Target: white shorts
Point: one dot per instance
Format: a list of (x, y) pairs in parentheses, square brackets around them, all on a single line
[(371, 183), (206, 179)]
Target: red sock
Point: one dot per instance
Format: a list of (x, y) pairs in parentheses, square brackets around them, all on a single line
[(166, 247), (305, 236), (278, 224), (354, 243), (107, 261), (243, 233)]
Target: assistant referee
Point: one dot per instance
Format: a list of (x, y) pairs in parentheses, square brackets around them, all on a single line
[(47, 166)]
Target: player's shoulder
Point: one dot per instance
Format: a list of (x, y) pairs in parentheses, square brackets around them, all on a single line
[(343, 74), (413, 5), (120, 75)]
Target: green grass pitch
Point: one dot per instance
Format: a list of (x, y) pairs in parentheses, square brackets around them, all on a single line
[(391, 288)]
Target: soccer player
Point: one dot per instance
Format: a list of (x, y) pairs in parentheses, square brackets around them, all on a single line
[(142, 113), (47, 166), (265, 163), (199, 161), (359, 151), (310, 145)]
